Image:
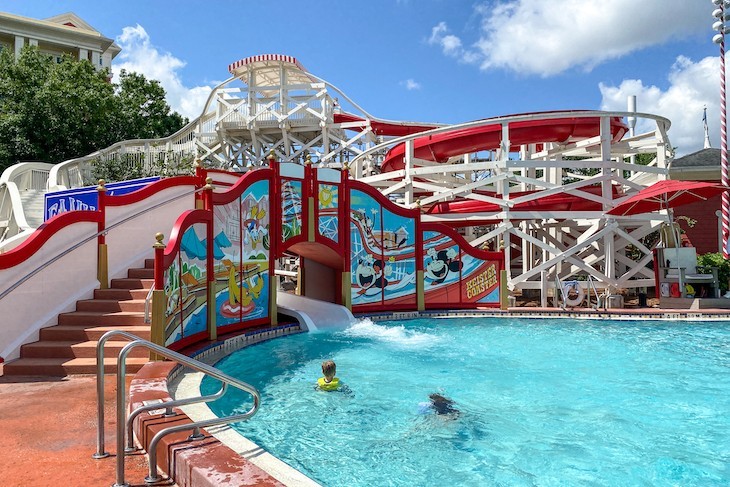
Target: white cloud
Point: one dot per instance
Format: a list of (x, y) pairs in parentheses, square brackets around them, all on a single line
[(692, 87), (547, 38), (450, 44), (411, 84), (139, 55)]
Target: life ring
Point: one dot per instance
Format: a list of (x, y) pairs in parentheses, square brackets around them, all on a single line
[(576, 288)]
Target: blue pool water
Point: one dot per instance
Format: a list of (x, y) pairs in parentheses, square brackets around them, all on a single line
[(542, 402)]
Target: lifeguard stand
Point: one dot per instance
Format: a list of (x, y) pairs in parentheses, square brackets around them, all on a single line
[(677, 268)]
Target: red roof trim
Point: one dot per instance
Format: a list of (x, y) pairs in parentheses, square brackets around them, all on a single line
[(184, 221), (264, 57)]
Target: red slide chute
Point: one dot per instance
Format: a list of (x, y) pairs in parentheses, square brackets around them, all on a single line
[(441, 147), (393, 129)]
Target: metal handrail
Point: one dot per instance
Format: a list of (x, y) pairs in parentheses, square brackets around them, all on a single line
[(122, 404), (559, 286), (592, 286), (168, 405), (88, 239)]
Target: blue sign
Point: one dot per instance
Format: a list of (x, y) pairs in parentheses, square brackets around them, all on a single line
[(87, 198)]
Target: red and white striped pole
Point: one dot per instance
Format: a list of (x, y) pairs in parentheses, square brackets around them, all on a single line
[(719, 25)]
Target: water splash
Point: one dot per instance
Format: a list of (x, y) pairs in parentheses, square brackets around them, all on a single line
[(395, 335)]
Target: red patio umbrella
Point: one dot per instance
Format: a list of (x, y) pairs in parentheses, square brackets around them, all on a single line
[(665, 195)]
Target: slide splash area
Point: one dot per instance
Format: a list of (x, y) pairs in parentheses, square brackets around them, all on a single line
[(312, 313)]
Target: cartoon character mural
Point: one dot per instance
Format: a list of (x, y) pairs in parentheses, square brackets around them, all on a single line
[(457, 275), (185, 286), (441, 264), (242, 265), (255, 224), (371, 275), (382, 253), (240, 300)]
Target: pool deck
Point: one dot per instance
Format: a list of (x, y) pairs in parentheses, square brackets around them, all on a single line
[(49, 434), (49, 424)]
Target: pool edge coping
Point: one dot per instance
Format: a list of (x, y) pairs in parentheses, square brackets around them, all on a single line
[(188, 385)]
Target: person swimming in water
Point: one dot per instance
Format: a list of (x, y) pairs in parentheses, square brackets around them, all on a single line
[(329, 382), (441, 405)]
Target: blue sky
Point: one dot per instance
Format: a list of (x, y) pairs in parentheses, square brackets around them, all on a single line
[(444, 61)]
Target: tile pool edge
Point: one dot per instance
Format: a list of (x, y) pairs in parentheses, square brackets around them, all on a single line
[(538, 313), (184, 384)]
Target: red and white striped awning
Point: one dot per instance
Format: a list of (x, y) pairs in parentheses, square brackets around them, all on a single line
[(263, 60), (266, 70)]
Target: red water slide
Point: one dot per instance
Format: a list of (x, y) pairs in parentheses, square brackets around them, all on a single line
[(555, 202), (393, 129), (441, 147)]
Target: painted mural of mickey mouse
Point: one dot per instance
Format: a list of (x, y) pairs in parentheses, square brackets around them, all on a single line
[(371, 274), (441, 263)]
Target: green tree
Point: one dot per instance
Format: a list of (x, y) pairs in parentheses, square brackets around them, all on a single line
[(54, 111), (142, 109), (723, 267)]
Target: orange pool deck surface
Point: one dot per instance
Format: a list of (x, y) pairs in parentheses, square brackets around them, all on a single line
[(48, 425), (48, 428)]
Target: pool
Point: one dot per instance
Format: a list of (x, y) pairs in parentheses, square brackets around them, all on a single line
[(541, 402)]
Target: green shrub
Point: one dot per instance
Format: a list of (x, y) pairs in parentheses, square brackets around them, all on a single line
[(723, 267)]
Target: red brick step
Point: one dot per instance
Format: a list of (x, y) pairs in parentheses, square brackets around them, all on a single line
[(96, 318), (70, 346), (121, 294), (110, 305), (75, 349), (60, 367)]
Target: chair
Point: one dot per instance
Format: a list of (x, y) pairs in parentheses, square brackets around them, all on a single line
[(678, 267)]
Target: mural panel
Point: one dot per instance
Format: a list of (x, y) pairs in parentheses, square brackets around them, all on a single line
[(185, 287), (383, 265), (173, 316), (442, 267), (454, 277), (241, 258), (193, 280), (328, 203), (291, 209), (226, 258), (399, 250), (367, 269)]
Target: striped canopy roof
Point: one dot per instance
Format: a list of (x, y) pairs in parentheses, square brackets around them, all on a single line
[(266, 70)]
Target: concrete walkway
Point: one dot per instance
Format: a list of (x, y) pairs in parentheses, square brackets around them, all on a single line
[(48, 427)]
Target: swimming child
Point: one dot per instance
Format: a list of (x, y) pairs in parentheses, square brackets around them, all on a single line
[(329, 382), (441, 405)]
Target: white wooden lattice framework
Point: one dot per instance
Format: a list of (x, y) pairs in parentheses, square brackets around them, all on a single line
[(540, 243), (271, 103)]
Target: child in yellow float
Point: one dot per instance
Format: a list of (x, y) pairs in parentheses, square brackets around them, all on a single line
[(329, 382)]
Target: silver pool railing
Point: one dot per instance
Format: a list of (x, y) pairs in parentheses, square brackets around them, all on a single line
[(124, 424)]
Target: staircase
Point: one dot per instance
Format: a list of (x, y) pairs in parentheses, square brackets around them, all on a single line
[(33, 206), (69, 347)]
